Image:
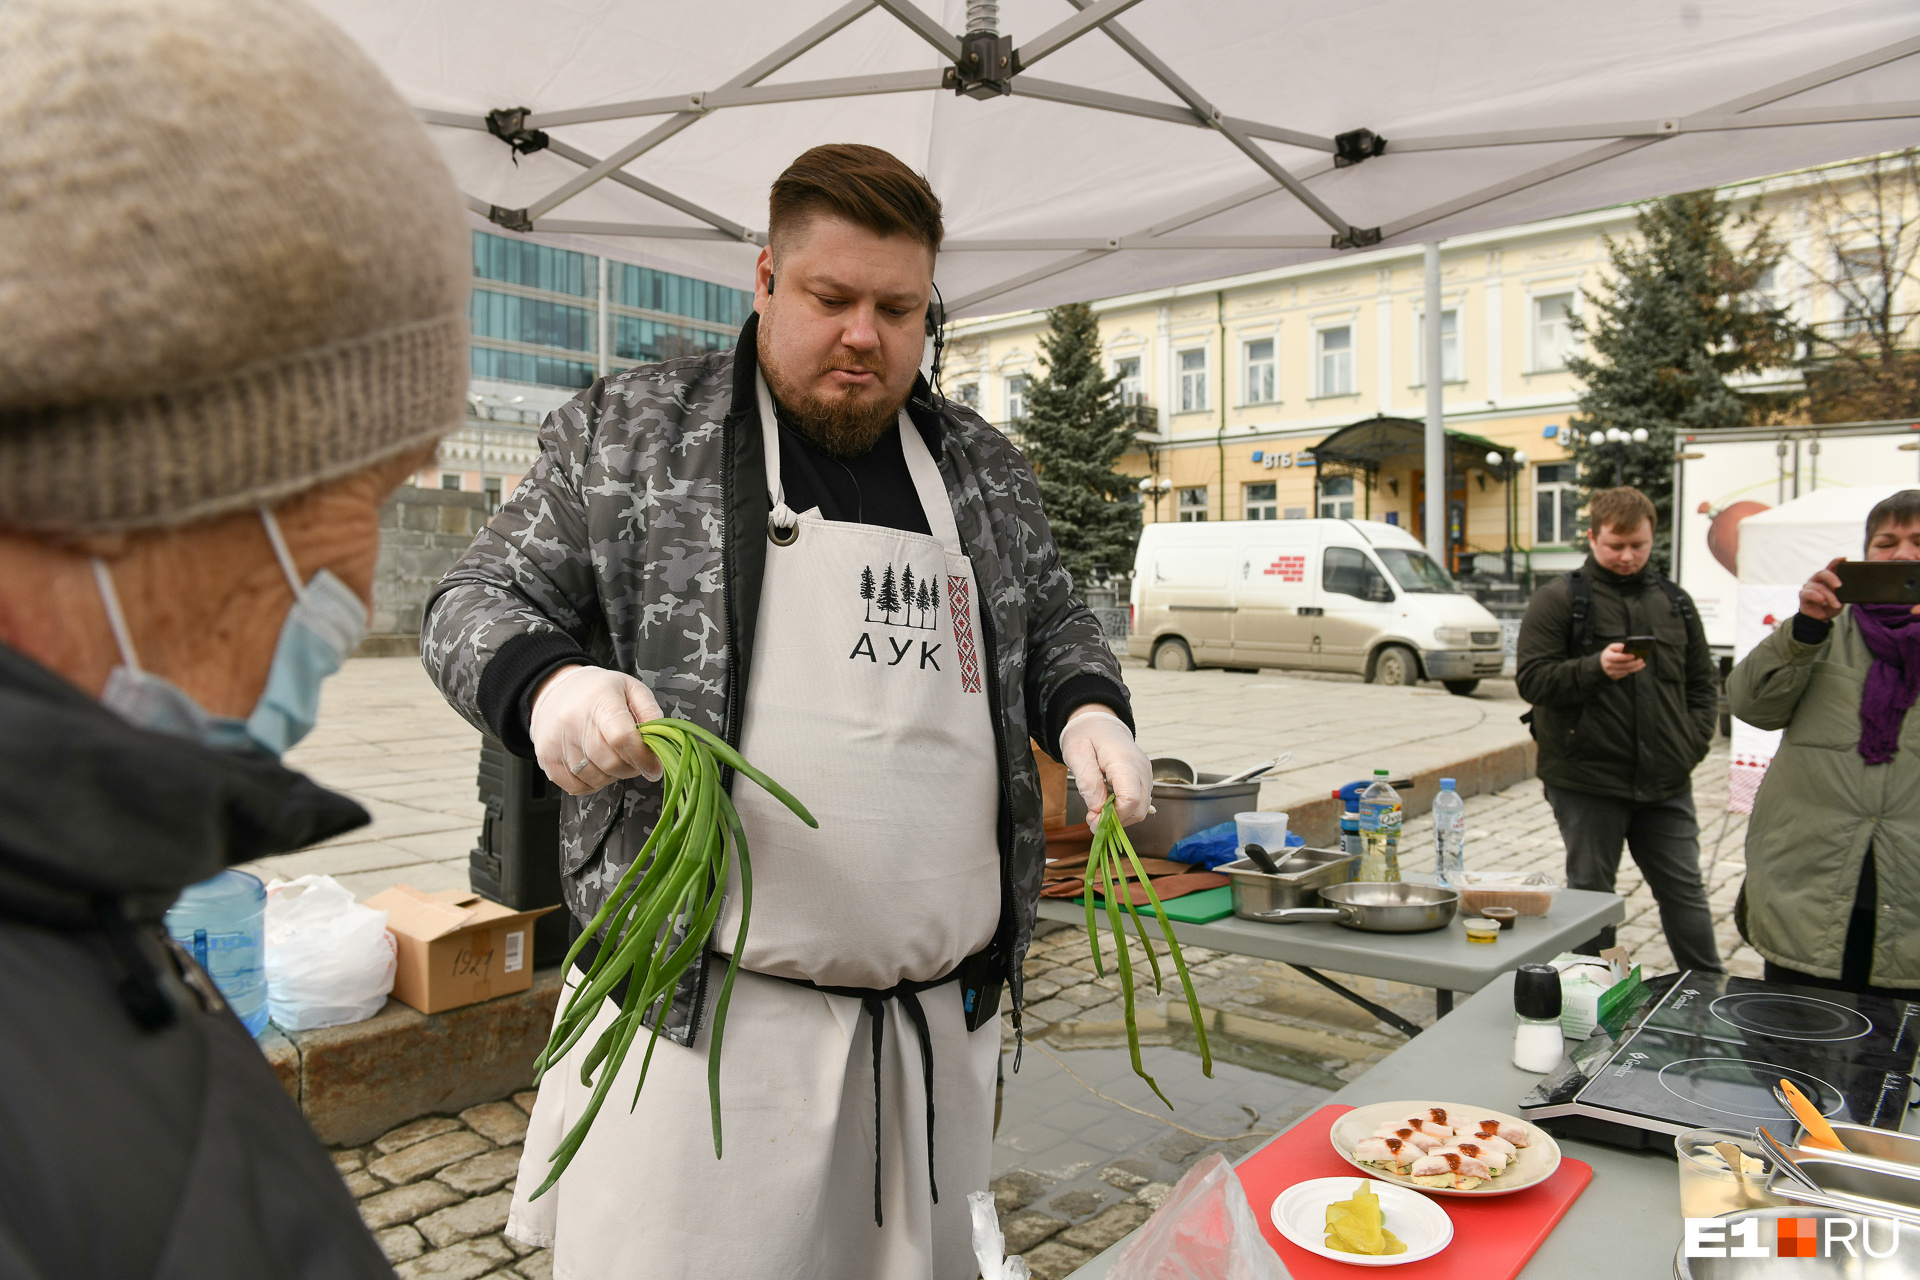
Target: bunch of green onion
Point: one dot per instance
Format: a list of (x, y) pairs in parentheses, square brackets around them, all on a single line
[(658, 918), (1107, 864)]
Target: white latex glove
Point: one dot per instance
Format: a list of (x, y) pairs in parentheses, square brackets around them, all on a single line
[(1097, 746), (583, 729)]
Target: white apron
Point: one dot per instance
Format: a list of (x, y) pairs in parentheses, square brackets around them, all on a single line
[(867, 701)]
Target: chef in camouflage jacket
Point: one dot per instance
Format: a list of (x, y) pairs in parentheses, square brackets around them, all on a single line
[(623, 580)]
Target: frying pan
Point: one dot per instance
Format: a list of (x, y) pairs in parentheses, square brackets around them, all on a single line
[(1375, 907)]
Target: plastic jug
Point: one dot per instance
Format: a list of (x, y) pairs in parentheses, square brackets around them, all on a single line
[(1449, 836), (1380, 813), (220, 921)]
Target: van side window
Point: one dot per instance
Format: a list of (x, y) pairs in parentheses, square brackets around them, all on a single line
[(1349, 573)]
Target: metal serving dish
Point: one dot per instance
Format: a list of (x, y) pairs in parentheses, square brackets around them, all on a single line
[(1849, 1185), (1873, 1144), (1179, 811), (1903, 1265), (1303, 874)]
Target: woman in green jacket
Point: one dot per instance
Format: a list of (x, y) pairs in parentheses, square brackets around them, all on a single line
[(1832, 897)]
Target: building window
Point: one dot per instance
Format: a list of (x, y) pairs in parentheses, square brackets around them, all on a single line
[(1336, 360), (491, 490), (1193, 504), (645, 289), (535, 266), (1336, 498), (970, 395), (1127, 370), (1449, 349), (1260, 379), (449, 480), (1862, 287), (637, 338), (1017, 397), (1556, 502), (1193, 380), (1262, 502), (520, 366), (1553, 338), (530, 320)]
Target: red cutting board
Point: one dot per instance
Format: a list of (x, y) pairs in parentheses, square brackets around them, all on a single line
[(1492, 1236)]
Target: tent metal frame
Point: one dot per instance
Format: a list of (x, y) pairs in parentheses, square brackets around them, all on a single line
[(525, 131)]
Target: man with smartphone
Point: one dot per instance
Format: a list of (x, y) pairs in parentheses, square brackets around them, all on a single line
[(1616, 665)]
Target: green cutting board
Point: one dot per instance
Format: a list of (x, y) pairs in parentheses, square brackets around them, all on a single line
[(1203, 907)]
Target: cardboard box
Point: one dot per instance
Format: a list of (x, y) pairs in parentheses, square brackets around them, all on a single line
[(455, 947)]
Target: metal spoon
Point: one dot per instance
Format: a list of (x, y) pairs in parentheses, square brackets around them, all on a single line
[(1246, 774), (1783, 1160)]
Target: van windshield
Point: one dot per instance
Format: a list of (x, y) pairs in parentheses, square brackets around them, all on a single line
[(1416, 571)]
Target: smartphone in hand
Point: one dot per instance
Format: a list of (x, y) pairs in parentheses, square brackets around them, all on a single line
[(1878, 581), (1640, 647)]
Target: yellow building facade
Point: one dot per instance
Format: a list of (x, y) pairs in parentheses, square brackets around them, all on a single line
[(1236, 381)]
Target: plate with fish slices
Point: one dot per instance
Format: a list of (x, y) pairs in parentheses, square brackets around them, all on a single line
[(1446, 1148)]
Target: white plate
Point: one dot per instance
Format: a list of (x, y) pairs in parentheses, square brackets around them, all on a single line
[(1534, 1164), (1300, 1213)]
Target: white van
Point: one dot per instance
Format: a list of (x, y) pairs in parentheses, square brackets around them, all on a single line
[(1318, 595)]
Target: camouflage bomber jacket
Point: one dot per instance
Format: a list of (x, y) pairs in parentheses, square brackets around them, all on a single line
[(640, 536)]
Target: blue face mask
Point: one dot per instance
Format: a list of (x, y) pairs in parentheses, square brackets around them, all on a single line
[(325, 625)]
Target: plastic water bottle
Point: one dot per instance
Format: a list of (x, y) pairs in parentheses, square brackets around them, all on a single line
[(221, 922), (1449, 836), (1379, 830)]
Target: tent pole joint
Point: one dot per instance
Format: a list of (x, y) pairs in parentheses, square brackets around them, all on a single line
[(509, 124), (985, 68), (1357, 238), (1355, 145), (511, 219)]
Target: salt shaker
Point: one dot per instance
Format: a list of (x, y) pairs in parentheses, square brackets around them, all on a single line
[(1537, 1044)]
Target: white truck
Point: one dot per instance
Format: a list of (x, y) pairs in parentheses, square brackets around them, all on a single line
[(1722, 478), (1316, 595)]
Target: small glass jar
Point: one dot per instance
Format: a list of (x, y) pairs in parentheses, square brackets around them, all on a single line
[(1481, 930)]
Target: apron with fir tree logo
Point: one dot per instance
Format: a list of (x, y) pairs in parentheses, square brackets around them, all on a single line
[(867, 701)]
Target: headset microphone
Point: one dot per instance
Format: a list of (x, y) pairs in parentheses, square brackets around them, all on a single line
[(937, 330)]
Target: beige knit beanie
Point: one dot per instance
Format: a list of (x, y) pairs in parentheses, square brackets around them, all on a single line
[(232, 266)]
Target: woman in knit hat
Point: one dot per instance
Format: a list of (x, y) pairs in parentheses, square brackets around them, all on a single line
[(233, 272)]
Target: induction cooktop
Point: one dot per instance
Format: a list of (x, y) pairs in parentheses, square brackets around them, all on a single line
[(1706, 1050)]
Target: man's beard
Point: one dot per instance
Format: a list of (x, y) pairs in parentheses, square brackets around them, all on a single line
[(840, 425)]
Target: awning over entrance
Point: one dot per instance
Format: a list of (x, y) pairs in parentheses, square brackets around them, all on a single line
[(1365, 447)]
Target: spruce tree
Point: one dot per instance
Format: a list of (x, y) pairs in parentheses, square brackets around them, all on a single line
[(1075, 430), (1677, 320)]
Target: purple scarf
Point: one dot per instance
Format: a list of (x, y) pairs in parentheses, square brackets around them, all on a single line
[(1892, 636)]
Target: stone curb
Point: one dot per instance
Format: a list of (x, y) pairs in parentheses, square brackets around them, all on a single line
[(356, 1082), (1315, 814)]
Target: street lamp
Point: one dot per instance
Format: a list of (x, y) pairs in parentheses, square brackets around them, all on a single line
[(1506, 467), (1157, 488)]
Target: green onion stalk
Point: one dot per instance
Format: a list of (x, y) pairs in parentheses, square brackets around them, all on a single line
[(1108, 862), (657, 921)]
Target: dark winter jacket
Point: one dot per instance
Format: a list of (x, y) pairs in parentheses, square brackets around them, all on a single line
[(638, 542), (1637, 738), (142, 1133)]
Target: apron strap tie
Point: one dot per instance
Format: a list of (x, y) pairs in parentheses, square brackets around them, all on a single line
[(875, 1003)]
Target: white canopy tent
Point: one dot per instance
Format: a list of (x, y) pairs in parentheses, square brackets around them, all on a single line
[(1086, 148)]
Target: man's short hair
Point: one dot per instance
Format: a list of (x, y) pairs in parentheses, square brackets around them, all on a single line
[(864, 185), (1621, 510), (1902, 508)]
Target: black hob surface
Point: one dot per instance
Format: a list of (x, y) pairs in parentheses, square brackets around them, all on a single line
[(1708, 1050)]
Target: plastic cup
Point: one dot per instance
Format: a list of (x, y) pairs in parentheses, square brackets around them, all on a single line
[(1708, 1188), (1268, 830)]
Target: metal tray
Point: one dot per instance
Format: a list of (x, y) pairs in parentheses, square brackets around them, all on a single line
[(1851, 1185), (1180, 811), (1873, 1144), (1303, 873)]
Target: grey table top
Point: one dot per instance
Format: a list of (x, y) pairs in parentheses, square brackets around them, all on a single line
[(1626, 1223), (1442, 958)]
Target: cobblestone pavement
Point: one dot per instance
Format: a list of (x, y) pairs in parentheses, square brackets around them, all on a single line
[(435, 1193)]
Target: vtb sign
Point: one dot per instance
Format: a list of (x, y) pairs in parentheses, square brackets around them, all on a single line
[(1825, 1237)]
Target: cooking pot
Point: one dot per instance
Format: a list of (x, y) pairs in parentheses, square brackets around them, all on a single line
[(1375, 907), (1303, 874)]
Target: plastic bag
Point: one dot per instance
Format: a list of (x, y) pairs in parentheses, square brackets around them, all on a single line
[(1204, 1231), (329, 960), (1216, 846), (989, 1245)]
